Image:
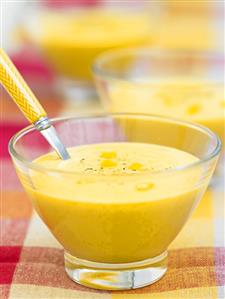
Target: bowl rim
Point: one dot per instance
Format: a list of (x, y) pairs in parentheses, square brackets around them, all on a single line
[(35, 166), (98, 69)]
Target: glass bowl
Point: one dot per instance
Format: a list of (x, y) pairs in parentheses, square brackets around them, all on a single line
[(115, 228), (70, 36), (183, 84)]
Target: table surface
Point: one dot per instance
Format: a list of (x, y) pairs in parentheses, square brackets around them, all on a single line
[(31, 260)]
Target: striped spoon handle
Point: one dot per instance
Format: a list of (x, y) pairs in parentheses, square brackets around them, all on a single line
[(18, 89)]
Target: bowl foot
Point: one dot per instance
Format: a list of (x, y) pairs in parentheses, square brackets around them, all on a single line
[(116, 276)]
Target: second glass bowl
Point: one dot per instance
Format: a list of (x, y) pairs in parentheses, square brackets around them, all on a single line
[(183, 84)]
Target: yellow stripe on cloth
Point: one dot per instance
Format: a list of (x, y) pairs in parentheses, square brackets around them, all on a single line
[(45, 238), (219, 205), (24, 291), (199, 230), (205, 207), (196, 233), (193, 293), (203, 219)]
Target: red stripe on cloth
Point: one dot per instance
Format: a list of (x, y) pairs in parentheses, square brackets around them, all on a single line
[(187, 268), (182, 278), (10, 181), (13, 231), (32, 66), (179, 258), (42, 255), (7, 130), (7, 272), (220, 265), (44, 266), (45, 274), (4, 291), (192, 257), (36, 143), (9, 256)]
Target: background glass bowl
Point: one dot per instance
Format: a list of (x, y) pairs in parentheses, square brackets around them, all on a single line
[(70, 38), (111, 244), (184, 84)]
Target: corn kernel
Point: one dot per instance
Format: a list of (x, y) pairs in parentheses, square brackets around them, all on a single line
[(135, 166), (194, 109), (108, 163), (108, 155), (145, 186)]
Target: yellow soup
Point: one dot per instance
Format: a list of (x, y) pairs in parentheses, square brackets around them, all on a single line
[(71, 41), (200, 102), (115, 206)]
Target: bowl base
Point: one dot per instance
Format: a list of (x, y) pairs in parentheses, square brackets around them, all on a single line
[(115, 276)]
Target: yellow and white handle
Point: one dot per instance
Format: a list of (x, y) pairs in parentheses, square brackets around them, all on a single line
[(18, 89), (13, 82)]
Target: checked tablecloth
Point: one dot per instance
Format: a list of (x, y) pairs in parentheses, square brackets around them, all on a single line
[(31, 260)]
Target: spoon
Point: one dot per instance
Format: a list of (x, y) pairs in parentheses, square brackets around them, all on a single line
[(19, 91)]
